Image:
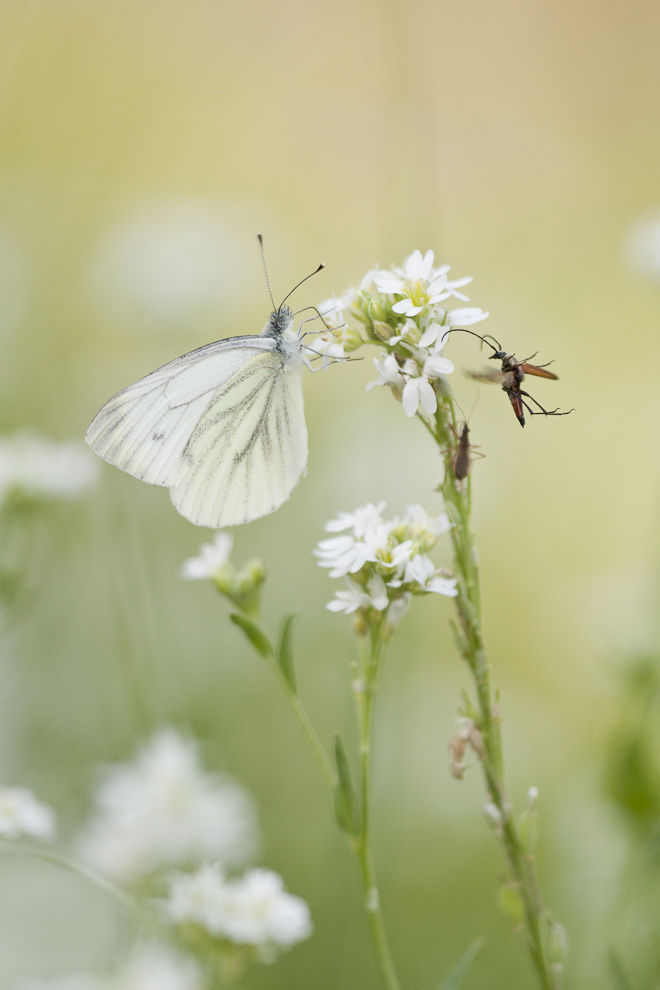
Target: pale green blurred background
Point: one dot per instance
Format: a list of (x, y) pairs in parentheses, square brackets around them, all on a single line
[(142, 145)]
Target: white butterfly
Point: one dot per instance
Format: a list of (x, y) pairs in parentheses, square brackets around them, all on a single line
[(223, 427)]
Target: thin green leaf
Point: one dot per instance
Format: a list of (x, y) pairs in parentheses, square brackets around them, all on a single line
[(462, 967), (285, 652), (347, 811), (255, 635)]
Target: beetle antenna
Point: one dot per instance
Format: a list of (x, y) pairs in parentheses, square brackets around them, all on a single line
[(482, 339), (263, 258), (315, 272)]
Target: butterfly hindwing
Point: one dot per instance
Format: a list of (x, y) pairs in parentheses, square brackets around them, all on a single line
[(248, 449)]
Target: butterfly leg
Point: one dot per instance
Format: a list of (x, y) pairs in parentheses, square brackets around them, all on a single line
[(319, 316)]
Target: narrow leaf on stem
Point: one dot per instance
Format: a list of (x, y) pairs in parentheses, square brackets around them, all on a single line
[(255, 635), (284, 654), (347, 811)]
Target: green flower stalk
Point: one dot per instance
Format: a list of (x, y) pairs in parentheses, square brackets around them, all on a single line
[(403, 310)]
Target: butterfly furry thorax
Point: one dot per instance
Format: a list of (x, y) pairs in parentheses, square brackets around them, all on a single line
[(280, 327), (223, 427)]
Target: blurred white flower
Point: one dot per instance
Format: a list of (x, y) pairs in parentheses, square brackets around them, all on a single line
[(423, 527), (398, 609), (22, 814), (199, 897), (344, 554), (163, 809), (389, 372), (422, 570), (250, 910), (642, 247), (212, 558), (362, 519), (149, 967), (45, 469), (348, 554), (355, 597), (260, 912)]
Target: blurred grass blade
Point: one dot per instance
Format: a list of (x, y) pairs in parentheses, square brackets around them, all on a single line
[(461, 969), (255, 635), (619, 978), (347, 811), (285, 652)]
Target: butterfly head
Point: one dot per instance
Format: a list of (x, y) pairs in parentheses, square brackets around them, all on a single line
[(279, 321)]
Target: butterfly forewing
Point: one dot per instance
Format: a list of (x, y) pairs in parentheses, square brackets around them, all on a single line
[(223, 427), (248, 449)]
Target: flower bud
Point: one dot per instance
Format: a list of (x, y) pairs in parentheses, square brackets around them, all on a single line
[(376, 311), (382, 331), (243, 589), (350, 338)]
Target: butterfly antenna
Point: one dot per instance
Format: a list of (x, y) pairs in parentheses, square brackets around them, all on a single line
[(263, 258), (315, 272)]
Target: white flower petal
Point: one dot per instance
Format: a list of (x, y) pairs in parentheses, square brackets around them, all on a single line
[(413, 266), (430, 335), (427, 265), (443, 586), (410, 397), (466, 316), (436, 365), (427, 395)]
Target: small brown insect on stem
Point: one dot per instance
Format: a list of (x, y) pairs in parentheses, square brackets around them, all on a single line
[(464, 453)]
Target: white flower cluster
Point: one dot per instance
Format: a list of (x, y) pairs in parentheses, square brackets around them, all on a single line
[(21, 814), (386, 559), (165, 810), (150, 967), (251, 910), (45, 469), (403, 309)]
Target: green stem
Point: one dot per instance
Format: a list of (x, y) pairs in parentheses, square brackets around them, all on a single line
[(522, 871), (371, 667), (298, 709), (52, 856), (315, 743), (371, 662)]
